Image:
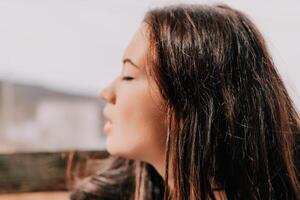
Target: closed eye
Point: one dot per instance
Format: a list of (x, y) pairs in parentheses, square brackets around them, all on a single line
[(127, 78)]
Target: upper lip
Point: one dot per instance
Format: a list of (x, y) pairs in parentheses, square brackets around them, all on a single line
[(105, 115)]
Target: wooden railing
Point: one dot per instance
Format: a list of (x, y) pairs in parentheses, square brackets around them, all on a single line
[(32, 172)]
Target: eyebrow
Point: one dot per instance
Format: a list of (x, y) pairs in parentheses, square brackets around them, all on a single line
[(125, 60)]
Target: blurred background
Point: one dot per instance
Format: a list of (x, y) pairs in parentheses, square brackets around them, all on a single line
[(56, 56)]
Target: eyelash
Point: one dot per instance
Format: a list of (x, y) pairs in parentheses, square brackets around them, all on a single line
[(127, 78)]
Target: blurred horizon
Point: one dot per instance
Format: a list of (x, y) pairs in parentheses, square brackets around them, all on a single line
[(39, 119)]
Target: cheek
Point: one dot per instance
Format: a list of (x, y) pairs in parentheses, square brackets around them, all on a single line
[(138, 127)]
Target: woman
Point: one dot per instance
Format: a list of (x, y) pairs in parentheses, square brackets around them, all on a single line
[(198, 112)]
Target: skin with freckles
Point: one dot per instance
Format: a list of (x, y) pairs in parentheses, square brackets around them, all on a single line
[(133, 106), (134, 109)]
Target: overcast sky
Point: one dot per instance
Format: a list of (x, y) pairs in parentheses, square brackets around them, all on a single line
[(77, 45)]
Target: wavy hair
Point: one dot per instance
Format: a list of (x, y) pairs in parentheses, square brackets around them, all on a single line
[(231, 123)]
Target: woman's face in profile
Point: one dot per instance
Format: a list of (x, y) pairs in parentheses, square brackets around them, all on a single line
[(135, 125)]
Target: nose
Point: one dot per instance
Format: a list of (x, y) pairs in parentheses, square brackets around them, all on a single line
[(108, 95)]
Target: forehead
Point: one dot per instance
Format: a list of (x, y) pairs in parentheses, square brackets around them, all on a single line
[(137, 48)]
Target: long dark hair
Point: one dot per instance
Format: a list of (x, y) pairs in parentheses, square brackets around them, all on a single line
[(231, 123)]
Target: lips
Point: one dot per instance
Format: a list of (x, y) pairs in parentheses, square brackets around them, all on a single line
[(108, 125)]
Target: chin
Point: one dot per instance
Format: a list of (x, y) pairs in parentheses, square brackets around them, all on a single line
[(120, 150), (109, 148), (112, 149)]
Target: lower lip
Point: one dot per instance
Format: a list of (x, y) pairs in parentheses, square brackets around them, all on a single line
[(107, 127)]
